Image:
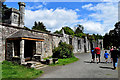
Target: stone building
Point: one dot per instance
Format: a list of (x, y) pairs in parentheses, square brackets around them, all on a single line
[(23, 44)]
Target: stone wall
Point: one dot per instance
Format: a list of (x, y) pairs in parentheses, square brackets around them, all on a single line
[(38, 47), (100, 43), (47, 45), (6, 32), (1, 50), (55, 41), (49, 42), (44, 48), (88, 48), (9, 50), (80, 44), (75, 44)]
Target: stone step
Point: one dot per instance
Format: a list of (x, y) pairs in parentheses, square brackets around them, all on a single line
[(36, 66), (38, 63), (41, 67)]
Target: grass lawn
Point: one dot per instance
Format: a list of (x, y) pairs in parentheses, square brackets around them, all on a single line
[(0, 70), (65, 61), (10, 70)]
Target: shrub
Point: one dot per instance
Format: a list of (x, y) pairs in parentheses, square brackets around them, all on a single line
[(63, 51)]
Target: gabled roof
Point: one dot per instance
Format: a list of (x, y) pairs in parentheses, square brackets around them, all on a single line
[(23, 34)]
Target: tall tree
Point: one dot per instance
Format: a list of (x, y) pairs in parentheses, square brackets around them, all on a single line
[(39, 26), (107, 41), (79, 29)]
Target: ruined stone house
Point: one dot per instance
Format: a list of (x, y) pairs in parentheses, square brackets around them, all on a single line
[(21, 44)]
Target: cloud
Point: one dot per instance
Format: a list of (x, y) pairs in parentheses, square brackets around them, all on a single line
[(44, 3), (93, 27), (87, 6), (104, 13), (52, 19), (77, 10), (101, 20), (34, 7)]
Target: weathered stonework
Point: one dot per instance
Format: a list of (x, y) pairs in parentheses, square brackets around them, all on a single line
[(1, 43), (100, 43), (42, 43), (44, 48), (22, 42)]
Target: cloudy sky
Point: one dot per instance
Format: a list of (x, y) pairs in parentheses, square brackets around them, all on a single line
[(96, 17)]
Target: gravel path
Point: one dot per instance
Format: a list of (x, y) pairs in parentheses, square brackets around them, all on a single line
[(82, 69)]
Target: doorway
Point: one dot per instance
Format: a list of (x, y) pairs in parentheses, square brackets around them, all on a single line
[(29, 49)]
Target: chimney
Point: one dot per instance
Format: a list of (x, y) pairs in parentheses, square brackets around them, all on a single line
[(22, 13)]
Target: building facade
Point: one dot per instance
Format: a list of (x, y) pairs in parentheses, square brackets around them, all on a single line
[(23, 44)]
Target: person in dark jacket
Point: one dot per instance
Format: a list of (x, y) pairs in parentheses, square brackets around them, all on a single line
[(93, 55), (114, 56), (119, 53)]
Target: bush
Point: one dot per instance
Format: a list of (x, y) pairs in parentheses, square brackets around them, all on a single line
[(63, 51)]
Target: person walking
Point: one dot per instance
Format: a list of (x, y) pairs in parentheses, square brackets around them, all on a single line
[(97, 51), (119, 53), (106, 56), (110, 52), (114, 56), (93, 55)]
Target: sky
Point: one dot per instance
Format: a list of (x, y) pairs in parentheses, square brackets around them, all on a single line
[(96, 17)]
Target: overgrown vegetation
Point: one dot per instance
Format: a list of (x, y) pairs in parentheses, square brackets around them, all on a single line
[(10, 70), (79, 29), (68, 30), (65, 61), (63, 51), (79, 33), (47, 57), (39, 26)]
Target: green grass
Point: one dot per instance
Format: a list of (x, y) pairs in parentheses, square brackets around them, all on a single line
[(65, 61), (0, 70), (10, 70), (47, 58)]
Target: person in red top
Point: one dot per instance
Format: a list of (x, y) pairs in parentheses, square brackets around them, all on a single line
[(97, 51)]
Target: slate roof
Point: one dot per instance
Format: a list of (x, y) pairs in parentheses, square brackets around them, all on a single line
[(25, 34)]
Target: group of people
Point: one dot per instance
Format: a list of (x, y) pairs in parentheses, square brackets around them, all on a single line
[(113, 53)]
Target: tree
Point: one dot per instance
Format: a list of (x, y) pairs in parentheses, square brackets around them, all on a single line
[(68, 30), (107, 41), (58, 32), (39, 26), (79, 29)]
